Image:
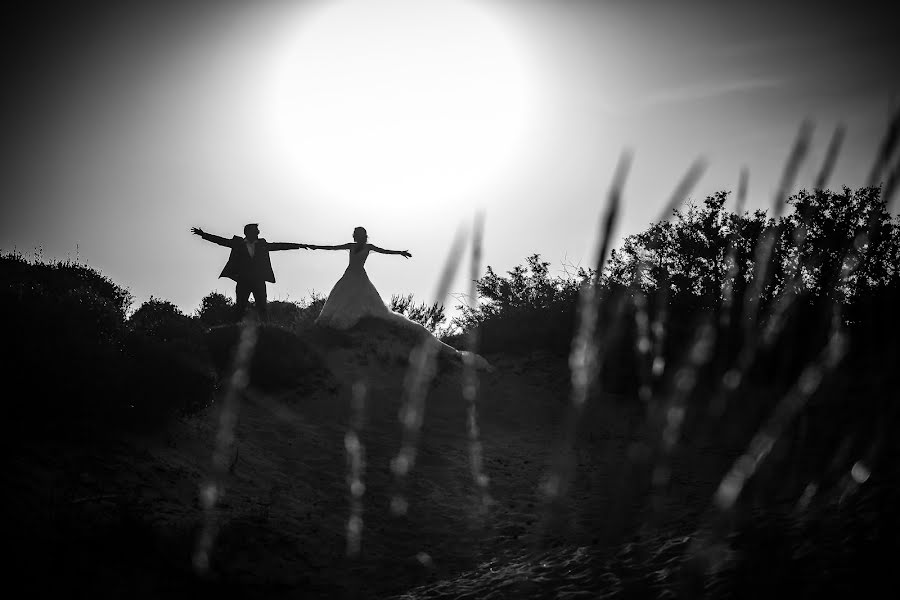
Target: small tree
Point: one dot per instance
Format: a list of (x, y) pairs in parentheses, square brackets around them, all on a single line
[(162, 319), (308, 311), (526, 309), (527, 288), (284, 313), (430, 317), (215, 309), (813, 245)]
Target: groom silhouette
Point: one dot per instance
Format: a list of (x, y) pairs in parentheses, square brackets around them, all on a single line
[(249, 266)]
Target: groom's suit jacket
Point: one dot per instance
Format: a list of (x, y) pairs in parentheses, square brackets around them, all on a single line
[(241, 267)]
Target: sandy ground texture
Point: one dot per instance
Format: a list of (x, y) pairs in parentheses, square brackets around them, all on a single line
[(307, 506)]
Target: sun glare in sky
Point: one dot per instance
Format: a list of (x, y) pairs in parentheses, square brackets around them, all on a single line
[(402, 102), (129, 123)]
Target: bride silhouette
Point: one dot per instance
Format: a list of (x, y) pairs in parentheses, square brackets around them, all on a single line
[(354, 297)]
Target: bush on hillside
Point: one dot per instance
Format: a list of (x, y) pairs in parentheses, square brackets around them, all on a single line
[(309, 312), (163, 320), (41, 296), (80, 362), (169, 373), (68, 325), (703, 261), (429, 317), (281, 360), (703, 266), (706, 251), (216, 309), (528, 309)]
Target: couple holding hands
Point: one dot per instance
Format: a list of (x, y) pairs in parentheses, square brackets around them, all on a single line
[(352, 297)]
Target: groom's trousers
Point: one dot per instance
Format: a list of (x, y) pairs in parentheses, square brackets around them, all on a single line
[(242, 294)]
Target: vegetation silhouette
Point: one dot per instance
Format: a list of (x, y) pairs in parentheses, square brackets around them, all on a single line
[(754, 351)]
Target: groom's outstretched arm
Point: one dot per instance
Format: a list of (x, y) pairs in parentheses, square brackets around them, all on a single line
[(209, 237), (273, 246), (341, 247), (375, 248)]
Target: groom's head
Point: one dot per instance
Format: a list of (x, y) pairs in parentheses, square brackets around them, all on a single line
[(251, 231)]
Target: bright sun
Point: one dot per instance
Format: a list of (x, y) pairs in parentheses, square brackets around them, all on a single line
[(404, 102)]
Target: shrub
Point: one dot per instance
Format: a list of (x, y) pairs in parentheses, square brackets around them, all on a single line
[(701, 267), (284, 313), (45, 296), (68, 323), (163, 320), (215, 309), (812, 245), (526, 310), (168, 369), (80, 363), (281, 360), (309, 311), (430, 317)]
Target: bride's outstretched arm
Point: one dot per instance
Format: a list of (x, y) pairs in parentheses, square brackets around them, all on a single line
[(341, 247), (383, 251)]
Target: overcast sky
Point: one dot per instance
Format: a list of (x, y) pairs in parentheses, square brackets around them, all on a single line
[(125, 124)]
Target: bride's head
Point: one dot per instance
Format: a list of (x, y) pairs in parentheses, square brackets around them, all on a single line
[(360, 236)]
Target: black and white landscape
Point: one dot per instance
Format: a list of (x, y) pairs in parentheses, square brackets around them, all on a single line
[(617, 319)]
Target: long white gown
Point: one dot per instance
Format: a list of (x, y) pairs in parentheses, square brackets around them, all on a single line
[(354, 297)]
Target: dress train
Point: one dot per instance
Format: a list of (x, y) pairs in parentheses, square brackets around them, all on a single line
[(354, 297)]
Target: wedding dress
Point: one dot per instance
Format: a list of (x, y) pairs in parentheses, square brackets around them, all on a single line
[(354, 297)]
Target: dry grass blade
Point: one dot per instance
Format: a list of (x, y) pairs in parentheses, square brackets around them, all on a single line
[(650, 338), (611, 215), (470, 374), (734, 269), (792, 167), (356, 468), (454, 256), (856, 251), (668, 417), (763, 252), (762, 257), (890, 186), (421, 370), (583, 356), (671, 415), (741, 199), (792, 289), (813, 374), (785, 412), (886, 150), (705, 550), (684, 187), (658, 328), (223, 455), (643, 343), (831, 156), (793, 281)]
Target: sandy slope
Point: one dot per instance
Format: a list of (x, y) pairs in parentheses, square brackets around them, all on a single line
[(126, 519)]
